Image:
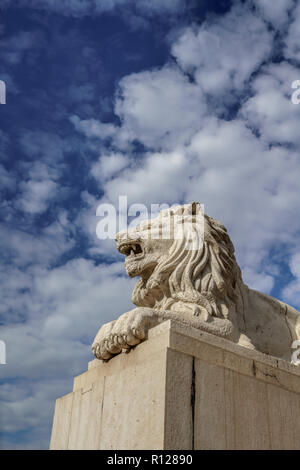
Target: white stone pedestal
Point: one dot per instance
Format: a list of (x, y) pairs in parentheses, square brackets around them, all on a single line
[(182, 389)]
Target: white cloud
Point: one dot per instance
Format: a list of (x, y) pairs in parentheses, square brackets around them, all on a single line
[(159, 108), (292, 41), (245, 184), (45, 146), (291, 293), (40, 186), (108, 166), (156, 180), (94, 128), (67, 303), (277, 13), (223, 52), (271, 111), (259, 281), (7, 179), (36, 195), (22, 248), (19, 404)]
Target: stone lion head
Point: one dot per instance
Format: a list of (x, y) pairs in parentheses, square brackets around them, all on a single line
[(185, 260)]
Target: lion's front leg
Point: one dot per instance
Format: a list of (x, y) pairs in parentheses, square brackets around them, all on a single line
[(98, 347), (128, 331)]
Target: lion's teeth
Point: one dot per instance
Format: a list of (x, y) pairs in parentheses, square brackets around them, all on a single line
[(130, 249)]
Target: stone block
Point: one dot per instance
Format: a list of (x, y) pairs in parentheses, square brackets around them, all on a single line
[(182, 389)]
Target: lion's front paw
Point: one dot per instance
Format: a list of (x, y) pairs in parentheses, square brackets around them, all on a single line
[(129, 330), (99, 345)]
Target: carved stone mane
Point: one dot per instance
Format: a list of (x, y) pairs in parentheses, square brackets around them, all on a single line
[(205, 277)]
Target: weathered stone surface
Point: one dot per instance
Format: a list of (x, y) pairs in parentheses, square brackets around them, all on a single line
[(188, 273), (182, 388)]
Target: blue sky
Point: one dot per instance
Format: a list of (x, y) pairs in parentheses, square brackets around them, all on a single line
[(166, 101)]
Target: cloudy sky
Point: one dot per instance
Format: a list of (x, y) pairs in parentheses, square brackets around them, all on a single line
[(167, 101)]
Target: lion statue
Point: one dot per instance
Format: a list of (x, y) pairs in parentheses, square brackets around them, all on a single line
[(188, 272)]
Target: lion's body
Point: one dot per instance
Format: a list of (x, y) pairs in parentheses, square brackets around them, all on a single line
[(201, 286), (270, 324)]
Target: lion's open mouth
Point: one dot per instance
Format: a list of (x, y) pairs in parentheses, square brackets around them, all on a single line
[(130, 249)]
